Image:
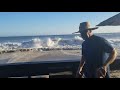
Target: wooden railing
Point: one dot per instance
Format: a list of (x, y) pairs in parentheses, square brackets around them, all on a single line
[(29, 69), (37, 68)]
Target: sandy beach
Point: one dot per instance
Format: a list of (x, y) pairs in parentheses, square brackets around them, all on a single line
[(33, 56)]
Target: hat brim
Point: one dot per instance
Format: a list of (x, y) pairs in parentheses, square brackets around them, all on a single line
[(88, 29)]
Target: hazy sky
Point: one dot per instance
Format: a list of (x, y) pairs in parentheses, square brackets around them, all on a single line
[(42, 23)]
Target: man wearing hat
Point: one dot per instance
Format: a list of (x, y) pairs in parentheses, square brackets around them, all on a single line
[(97, 54)]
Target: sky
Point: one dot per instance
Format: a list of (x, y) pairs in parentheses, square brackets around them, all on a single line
[(51, 23)]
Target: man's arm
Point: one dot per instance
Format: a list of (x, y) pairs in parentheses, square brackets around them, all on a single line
[(82, 62), (108, 48), (111, 59)]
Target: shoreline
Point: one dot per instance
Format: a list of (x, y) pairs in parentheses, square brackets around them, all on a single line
[(27, 56)]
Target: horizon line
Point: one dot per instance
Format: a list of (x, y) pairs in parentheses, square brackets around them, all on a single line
[(54, 34)]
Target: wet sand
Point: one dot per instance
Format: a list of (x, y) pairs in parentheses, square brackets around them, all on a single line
[(30, 56)]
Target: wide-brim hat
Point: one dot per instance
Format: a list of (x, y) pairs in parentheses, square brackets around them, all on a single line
[(85, 26)]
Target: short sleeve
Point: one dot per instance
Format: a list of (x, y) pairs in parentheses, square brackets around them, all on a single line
[(107, 47)]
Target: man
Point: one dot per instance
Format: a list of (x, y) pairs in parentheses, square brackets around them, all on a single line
[(97, 54)]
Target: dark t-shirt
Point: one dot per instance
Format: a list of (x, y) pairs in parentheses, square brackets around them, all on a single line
[(95, 50)]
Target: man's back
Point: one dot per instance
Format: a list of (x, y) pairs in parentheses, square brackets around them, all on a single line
[(95, 50)]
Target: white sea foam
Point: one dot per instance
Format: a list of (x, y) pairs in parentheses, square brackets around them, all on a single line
[(61, 43), (115, 42), (78, 38), (34, 43)]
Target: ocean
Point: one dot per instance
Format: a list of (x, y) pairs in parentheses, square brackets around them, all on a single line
[(52, 41)]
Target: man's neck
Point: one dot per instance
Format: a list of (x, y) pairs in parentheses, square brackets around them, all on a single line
[(90, 35)]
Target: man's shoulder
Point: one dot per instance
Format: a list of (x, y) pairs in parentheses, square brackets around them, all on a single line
[(99, 38)]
